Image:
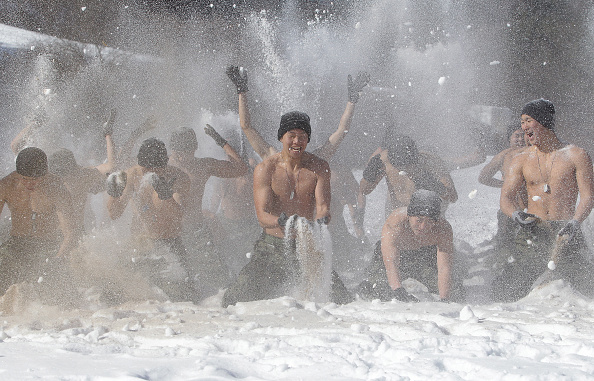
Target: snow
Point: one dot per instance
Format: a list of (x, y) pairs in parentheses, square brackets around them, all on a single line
[(546, 336)]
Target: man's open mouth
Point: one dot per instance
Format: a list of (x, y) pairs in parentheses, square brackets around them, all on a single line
[(298, 149)]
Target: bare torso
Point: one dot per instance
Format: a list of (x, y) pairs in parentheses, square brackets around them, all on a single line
[(278, 189), (158, 219), (41, 211), (556, 170)]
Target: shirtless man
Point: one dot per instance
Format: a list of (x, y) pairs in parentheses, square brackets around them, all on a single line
[(553, 174), (158, 192), (80, 181), (416, 243), (406, 170), (342, 177), (291, 182), (500, 163), (42, 224), (212, 273)]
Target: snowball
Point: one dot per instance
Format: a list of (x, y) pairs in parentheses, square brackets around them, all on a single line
[(402, 173), (472, 194), (441, 80), (248, 255), (83, 9), (466, 313), (358, 25), (551, 265), (493, 63), (536, 198)]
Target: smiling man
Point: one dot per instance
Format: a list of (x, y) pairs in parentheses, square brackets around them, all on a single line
[(554, 174), (291, 182), (416, 243), (42, 232)]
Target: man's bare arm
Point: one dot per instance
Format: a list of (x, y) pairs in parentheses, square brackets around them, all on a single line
[(390, 252), (261, 146), (329, 148), (354, 88), (263, 196), (445, 250), (64, 211), (322, 193), (486, 177), (513, 184), (117, 205), (585, 180)]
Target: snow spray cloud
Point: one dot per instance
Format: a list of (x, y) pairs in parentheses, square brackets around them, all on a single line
[(313, 249)]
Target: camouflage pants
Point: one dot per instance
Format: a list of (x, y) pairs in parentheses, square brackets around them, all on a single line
[(529, 257), (273, 271), (27, 259), (420, 265)]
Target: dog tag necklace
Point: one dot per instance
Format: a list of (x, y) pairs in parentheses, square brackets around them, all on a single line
[(546, 187), (292, 196)]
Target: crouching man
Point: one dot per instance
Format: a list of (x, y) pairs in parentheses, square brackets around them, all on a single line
[(416, 243)]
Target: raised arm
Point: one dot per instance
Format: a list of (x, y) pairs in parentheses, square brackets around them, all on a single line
[(354, 88), (107, 167), (240, 79), (235, 167), (20, 141)]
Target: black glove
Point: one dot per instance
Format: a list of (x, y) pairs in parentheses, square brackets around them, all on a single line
[(282, 220), (571, 229), (525, 220), (374, 169), (324, 220), (424, 179), (108, 125), (354, 87), (215, 135), (239, 78), (401, 294), (162, 186), (116, 182)]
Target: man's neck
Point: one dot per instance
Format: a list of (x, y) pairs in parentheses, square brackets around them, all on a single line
[(549, 143), (291, 163)]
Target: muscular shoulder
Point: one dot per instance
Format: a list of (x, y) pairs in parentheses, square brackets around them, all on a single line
[(315, 163), (396, 219)]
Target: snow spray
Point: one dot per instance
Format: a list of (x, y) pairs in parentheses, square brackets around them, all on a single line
[(313, 247)]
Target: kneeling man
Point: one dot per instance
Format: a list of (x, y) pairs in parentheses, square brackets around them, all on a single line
[(416, 243)]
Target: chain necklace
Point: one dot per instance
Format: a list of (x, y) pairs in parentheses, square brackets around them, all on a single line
[(292, 196), (546, 187)]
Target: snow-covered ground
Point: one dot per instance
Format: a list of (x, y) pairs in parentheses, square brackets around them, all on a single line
[(548, 335)]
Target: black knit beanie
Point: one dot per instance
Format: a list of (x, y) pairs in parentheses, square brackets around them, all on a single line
[(293, 120), (31, 162), (542, 111), (424, 203)]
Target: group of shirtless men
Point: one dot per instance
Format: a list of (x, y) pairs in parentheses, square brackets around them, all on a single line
[(542, 178)]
